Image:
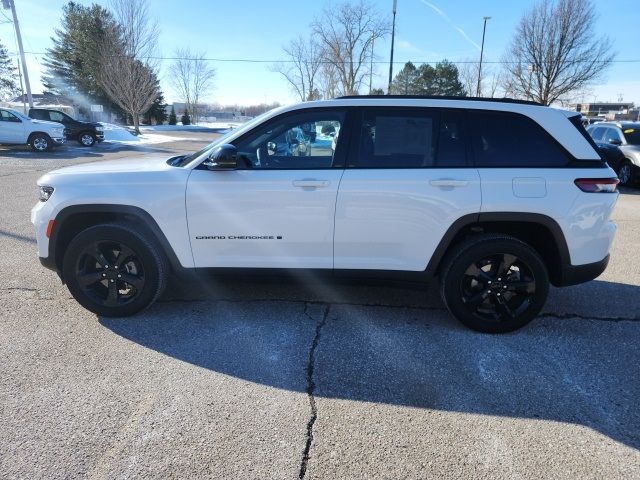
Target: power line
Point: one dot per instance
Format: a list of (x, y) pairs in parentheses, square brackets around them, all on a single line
[(257, 60)]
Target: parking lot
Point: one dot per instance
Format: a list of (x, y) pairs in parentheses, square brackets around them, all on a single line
[(282, 379)]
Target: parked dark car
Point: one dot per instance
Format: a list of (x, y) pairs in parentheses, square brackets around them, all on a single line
[(612, 155), (626, 136), (86, 133)]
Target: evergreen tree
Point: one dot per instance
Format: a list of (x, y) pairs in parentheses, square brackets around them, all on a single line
[(8, 75), (185, 119), (172, 116), (72, 65), (406, 81), (443, 79), (158, 110)]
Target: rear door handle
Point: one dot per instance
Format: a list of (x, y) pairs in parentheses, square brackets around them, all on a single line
[(310, 183), (449, 182)]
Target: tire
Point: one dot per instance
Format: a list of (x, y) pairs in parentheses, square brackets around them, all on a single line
[(101, 261), (626, 173), (40, 142), (87, 139), (486, 297)]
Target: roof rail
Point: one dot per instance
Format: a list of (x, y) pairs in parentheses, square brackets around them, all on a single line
[(443, 97)]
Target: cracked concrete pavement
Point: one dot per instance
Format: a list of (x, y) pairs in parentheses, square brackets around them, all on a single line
[(249, 378)]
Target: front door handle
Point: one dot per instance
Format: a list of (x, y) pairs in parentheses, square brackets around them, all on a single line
[(310, 183), (448, 182)]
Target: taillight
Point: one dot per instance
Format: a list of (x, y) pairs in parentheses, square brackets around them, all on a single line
[(597, 185)]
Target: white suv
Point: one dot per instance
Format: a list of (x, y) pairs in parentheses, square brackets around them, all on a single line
[(497, 198), (18, 129)]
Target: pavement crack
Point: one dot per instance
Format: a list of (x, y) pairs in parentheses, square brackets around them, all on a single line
[(569, 316), (311, 388)]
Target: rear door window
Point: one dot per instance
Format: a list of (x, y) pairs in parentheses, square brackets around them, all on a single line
[(504, 139), (409, 138)]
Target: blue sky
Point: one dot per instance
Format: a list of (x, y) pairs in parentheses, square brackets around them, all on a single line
[(256, 29)]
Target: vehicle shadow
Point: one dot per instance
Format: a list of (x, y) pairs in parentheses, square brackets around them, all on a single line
[(398, 346)]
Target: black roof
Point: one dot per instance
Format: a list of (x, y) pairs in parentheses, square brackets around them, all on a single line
[(444, 97)]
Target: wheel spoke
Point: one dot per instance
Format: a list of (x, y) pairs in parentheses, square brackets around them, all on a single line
[(88, 279), (112, 296), (100, 257), (477, 273), (137, 282), (476, 299), (125, 253), (503, 309), (521, 286), (505, 263)]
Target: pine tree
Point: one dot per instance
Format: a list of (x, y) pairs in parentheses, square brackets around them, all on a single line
[(72, 65), (172, 116), (158, 110), (185, 119), (406, 81), (8, 75)]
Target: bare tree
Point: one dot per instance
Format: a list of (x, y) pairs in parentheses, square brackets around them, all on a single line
[(192, 76), (555, 52), (302, 68), (328, 81), (128, 68), (345, 33), (491, 82)]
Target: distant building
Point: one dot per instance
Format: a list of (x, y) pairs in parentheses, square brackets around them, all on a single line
[(601, 108)]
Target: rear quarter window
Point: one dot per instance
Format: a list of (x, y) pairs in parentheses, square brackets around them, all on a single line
[(503, 139)]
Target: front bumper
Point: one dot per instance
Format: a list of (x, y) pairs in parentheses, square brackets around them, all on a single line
[(59, 140)]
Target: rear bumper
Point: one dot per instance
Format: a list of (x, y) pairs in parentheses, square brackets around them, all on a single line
[(575, 274)]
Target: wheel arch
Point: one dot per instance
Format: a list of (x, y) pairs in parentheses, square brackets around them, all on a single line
[(31, 135), (538, 230), (73, 219)]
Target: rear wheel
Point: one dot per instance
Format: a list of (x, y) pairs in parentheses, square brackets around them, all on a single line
[(113, 270), (494, 283), (40, 142)]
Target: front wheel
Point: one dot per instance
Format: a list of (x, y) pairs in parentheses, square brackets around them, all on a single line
[(494, 283), (87, 139), (625, 173), (113, 270), (40, 142)]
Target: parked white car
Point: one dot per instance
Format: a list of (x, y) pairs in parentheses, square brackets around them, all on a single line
[(18, 129), (498, 199)]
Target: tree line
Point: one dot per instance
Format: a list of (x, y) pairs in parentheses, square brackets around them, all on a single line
[(553, 55)]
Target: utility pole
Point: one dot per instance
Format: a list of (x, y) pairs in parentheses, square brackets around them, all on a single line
[(393, 35), (484, 29), (8, 4)]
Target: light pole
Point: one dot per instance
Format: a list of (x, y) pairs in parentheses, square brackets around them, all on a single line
[(8, 4), (484, 29), (393, 34), (531, 68)]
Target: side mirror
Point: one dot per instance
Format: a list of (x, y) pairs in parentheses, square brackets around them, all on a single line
[(224, 157), (615, 141)]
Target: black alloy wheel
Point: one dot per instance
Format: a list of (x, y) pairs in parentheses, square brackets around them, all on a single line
[(498, 287), (114, 269), (494, 283), (110, 273)]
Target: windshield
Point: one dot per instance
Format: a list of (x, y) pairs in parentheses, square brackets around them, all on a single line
[(632, 135), (184, 160), (20, 115)]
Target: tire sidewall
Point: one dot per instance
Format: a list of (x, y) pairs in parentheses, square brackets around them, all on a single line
[(143, 250), (474, 252)]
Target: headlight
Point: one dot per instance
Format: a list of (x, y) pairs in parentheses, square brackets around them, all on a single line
[(99, 129), (45, 192), (57, 132)]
